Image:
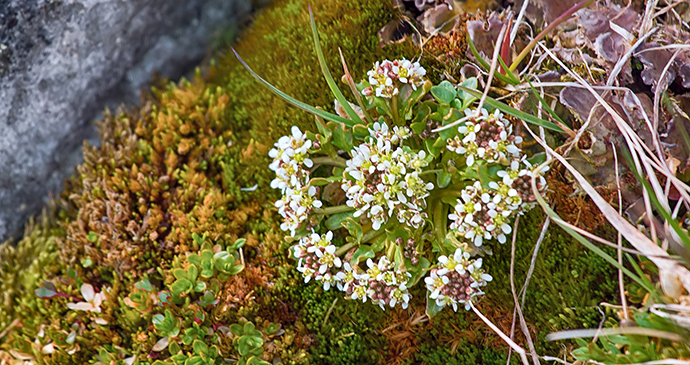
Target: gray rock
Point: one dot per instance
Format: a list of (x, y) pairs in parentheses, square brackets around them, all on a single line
[(63, 61)]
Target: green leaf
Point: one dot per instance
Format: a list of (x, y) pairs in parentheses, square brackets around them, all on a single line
[(200, 347), (249, 328), (207, 268), (192, 273), (336, 220), (194, 259), (144, 285), (181, 286), (418, 127), (362, 253), (484, 64), (179, 273), (239, 243), (342, 138), (514, 112), (432, 308), (327, 75), (443, 179), (46, 290), (435, 151), (174, 348), (158, 320), (306, 107), (199, 286), (442, 95), (354, 228), (467, 98), (236, 329)]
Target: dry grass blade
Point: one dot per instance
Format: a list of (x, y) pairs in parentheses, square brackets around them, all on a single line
[(651, 332), (636, 238), (518, 308), (502, 335)]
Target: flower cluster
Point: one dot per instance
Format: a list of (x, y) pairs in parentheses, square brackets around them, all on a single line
[(484, 213), (290, 157), (457, 280), (487, 137), (409, 249), (383, 283), (385, 181), (317, 259), (386, 77)]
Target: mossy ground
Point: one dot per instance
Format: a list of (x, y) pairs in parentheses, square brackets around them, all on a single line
[(176, 166)]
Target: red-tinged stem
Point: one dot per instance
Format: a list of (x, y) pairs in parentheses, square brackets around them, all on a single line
[(548, 29)]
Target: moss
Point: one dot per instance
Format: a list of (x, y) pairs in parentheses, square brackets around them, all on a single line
[(568, 284), (23, 266)]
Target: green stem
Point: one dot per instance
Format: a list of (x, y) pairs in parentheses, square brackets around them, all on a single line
[(327, 160), (394, 110), (334, 210), (343, 249), (438, 194), (544, 32), (372, 235), (430, 172), (439, 222)]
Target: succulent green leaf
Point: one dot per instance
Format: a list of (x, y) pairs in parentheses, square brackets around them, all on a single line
[(46, 290), (181, 286), (194, 259), (199, 286), (200, 347), (207, 268), (236, 329), (179, 274), (144, 285), (442, 94)]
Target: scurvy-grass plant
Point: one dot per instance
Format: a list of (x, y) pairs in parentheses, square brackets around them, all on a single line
[(412, 199)]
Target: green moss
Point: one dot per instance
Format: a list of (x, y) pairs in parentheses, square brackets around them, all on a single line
[(22, 268), (569, 281)]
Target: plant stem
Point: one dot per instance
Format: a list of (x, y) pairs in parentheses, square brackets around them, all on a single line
[(327, 160), (430, 172), (334, 210), (447, 192), (394, 110), (544, 32), (344, 248), (372, 234)]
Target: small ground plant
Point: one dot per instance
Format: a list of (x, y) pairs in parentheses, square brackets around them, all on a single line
[(411, 198)]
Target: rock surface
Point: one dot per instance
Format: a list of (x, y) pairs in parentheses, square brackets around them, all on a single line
[(63, 61)]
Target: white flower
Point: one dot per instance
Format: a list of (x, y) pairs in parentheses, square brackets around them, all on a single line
[(383, 179), (386, 77), (93, 300), (290, 157)]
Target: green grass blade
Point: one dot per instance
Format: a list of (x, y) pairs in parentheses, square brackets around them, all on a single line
[(304, 106), (514, 112), (487, 67), (509, 74), (327, 75), (639, 272)]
